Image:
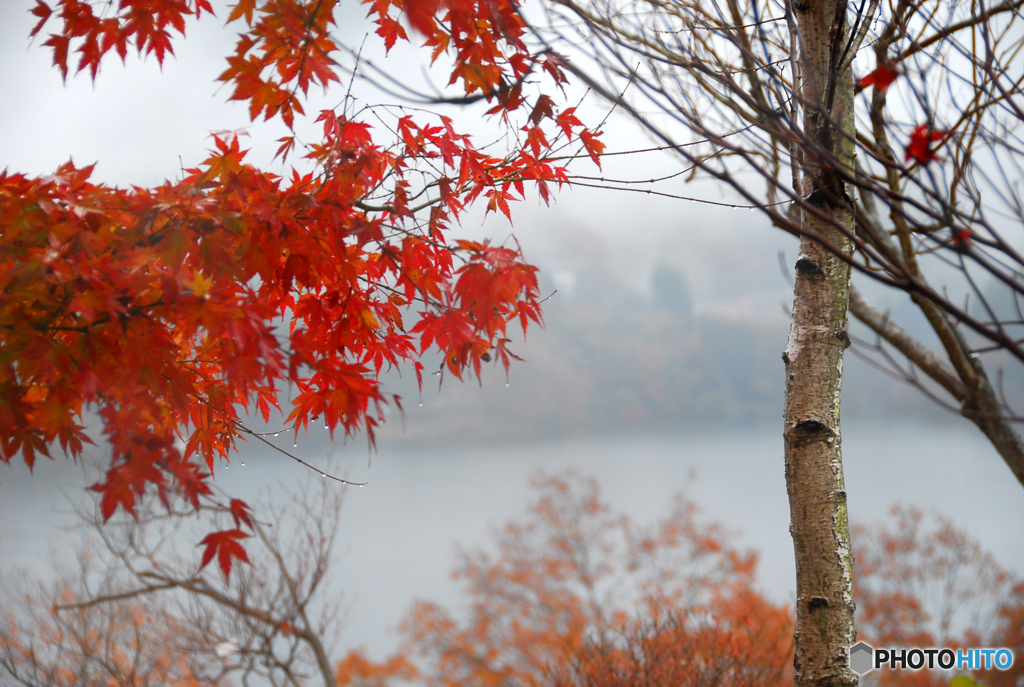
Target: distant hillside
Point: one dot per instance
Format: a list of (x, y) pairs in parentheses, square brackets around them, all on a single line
[(610, 360)]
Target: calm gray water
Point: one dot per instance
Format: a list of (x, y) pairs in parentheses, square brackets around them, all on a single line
[(399, 533)]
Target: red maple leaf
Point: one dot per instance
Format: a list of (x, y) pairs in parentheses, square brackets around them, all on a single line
[(225, 546), (919, 148), (883, 75), (543, 108), (240, 512), (43, 11), (593, 145), (421, 14)]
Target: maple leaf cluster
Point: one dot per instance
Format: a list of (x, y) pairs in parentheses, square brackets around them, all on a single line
[(146, 24), (172, 311)]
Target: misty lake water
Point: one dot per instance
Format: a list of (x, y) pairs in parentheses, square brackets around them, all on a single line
[(400, 532)]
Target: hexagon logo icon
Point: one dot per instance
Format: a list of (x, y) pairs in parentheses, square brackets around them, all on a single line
[(861, 657)]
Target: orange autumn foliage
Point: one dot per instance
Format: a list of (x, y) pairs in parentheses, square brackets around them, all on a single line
[(171, 312), (921, 582), (1010, 634), (580, 596), (747, 645), (119, 644), (355, 670)]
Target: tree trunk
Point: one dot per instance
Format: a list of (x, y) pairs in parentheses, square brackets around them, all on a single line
[(814, 362)]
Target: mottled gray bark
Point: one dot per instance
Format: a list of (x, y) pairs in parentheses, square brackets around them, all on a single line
[(814, 360)]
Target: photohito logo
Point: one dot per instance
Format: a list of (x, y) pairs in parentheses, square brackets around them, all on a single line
[(864, 657)]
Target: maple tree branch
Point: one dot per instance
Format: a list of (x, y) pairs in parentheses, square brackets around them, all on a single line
[(129, 312), (245, 430), (676, 196), (420, 98)]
